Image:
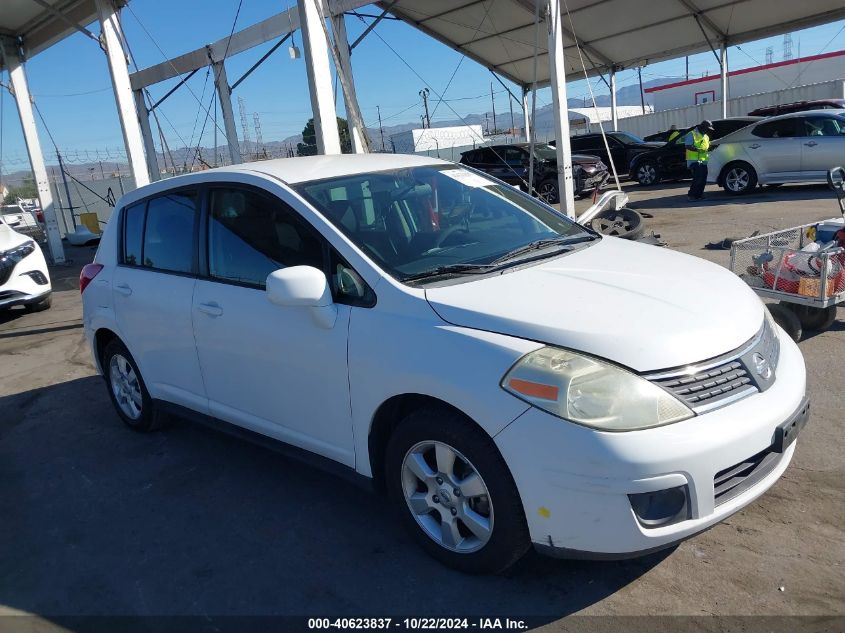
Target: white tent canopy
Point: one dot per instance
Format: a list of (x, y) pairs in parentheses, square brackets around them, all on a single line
[(500, 34)]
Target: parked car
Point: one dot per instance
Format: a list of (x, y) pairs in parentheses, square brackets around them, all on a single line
[(18, 216), (799, 106), (624, 148), (669, 161), (455, 342), (660, 137), (791, 148), (24, 278), (510, 164)]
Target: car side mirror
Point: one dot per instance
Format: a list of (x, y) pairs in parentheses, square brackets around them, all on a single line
[(303, 286)]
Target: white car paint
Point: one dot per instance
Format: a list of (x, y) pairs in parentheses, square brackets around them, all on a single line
[(294, 374), (20, 287), (797, 158)]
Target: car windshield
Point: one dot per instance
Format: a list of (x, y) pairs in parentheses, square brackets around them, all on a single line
[(546, 152), (628, 139), (428, 220)]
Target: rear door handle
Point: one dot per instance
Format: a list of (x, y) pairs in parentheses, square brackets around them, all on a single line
[(211, 309), (811, 144), (123, 289), (755, 146)]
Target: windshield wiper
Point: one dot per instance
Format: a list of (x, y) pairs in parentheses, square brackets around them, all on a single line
[(537, 245), (465, 269)]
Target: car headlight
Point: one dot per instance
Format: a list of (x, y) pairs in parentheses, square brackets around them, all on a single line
[(18, 253), (591, 392)]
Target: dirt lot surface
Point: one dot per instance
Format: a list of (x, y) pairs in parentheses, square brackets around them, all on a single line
[(98, 520)]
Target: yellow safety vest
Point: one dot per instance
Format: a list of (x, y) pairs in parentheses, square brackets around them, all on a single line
[(672, 136), (702, 145)]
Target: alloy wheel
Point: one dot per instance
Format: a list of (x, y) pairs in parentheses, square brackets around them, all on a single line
[(547, 192), (646, 174), (737, 179), (125, 386), (447, 497)]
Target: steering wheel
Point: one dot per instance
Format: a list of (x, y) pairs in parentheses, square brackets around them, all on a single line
[(445, 235)]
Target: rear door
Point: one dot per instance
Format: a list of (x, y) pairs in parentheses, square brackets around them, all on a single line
[(774, 148), (152, 289), (823, 145)]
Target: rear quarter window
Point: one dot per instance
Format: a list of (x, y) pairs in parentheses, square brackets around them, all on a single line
[(133, 233)]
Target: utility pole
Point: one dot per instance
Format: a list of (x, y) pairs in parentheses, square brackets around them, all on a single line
[(380, 129), (642, 94), (244, 125), (259, 141), (424, 94), (493, 103), (510, 104), (67, 189), (687, 64)]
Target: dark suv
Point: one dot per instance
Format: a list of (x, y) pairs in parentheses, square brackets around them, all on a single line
[(623, 147), (510, 163), (668, 162)]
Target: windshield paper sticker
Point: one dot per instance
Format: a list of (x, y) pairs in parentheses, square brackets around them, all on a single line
[(467, 178)]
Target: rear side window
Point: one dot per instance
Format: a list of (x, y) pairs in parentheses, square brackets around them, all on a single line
[(133, 233), (784, 128), (159, 233), (250, 235)]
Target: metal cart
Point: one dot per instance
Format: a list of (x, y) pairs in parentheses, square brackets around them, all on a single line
[(808, 284)]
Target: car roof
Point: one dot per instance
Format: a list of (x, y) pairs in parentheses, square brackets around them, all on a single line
[(828, 112)]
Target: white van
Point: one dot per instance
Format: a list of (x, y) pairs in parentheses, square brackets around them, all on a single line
[(504, 375)]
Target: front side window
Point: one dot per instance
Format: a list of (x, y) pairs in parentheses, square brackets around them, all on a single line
[(251, 234), (823, 126), (421, 219)]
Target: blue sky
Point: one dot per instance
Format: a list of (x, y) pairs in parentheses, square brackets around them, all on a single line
[(70, 82)]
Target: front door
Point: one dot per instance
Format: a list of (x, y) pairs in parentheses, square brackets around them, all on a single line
[(274, 370), (823, 145), (776, 150), (152, 289)]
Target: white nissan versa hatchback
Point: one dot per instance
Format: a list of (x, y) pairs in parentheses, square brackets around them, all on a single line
[(507, 376)]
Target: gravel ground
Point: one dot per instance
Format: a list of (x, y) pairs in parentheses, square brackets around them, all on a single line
[(97, 520)]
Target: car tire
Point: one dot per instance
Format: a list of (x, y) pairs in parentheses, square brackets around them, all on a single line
[(812, 318), (625, 223), (548, 192), (42, 305), (738, 178), (127, 390), (433, 454), (786, 319), (647, 173)]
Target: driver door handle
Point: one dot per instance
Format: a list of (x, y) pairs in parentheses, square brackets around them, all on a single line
[(755, 146), (811, 144), (123, 289), (211, 309)]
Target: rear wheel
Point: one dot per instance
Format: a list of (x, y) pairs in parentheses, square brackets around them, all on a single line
[(455, 493), (739, 178), (127, 390), (547, 191), (787, 319)]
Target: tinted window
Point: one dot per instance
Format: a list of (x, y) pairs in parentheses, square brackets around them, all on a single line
[(250, 235), (578, 144), (823, 126), (133, 233), (169, 232), (784, 128)]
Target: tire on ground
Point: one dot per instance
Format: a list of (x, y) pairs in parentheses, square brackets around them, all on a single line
[(150, 419), (787, 319), (510, 539)]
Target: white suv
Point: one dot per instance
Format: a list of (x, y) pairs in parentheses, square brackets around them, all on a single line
[(504, 375), (24, 278)]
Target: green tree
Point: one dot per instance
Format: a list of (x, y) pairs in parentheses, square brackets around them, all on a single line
[(26, 189), (308, 146)]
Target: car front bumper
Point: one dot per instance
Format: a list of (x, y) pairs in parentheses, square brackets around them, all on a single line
[(575, 482), (21, 286)]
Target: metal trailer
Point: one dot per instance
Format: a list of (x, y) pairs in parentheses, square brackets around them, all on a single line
[(808, 284)]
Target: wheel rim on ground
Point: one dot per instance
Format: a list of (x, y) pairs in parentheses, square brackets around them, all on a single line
[(548, 192), (646, 174), (447, 497), (737, 179), (612, 226), (125, 386)]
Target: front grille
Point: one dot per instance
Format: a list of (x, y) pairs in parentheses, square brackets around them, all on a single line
[(734, 480), (722, 380)]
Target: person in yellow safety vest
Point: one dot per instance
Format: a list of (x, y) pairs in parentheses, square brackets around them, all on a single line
[(673, 133), (697, 144)]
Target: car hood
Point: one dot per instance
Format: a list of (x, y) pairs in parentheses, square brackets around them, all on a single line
[(644, 307), (9, 238)]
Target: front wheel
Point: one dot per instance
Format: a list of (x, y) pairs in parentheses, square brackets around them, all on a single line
[(739, 178), (455, 493), (647, 173)]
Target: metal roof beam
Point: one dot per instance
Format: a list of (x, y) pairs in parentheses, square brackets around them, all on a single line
[(700, 17), (66, 19)]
